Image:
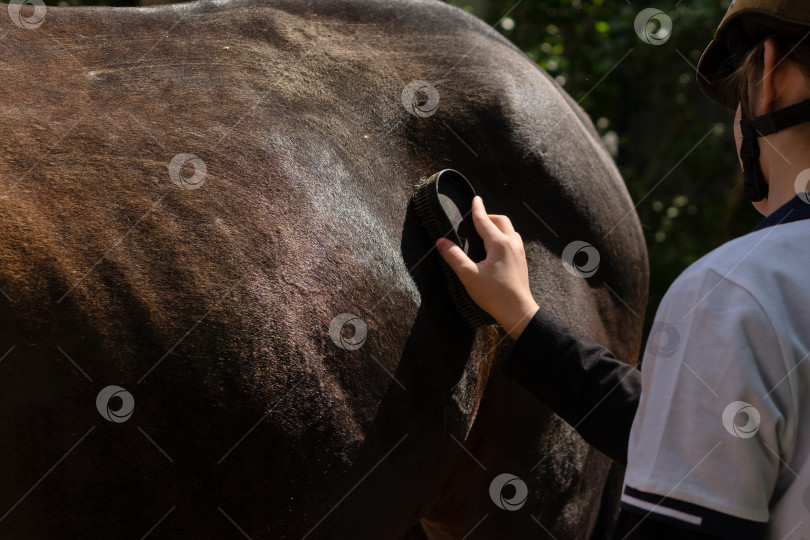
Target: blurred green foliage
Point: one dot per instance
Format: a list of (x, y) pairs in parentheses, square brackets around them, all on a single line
[(673, 146)]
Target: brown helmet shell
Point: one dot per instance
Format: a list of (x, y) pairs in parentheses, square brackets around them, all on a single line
[(756, 19)]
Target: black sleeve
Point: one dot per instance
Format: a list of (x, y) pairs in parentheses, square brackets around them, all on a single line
[(578, 379), (631, 526)]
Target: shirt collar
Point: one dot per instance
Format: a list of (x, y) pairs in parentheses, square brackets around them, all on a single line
[(793, 210)]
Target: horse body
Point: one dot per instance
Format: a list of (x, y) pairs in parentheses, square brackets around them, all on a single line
[(211, 303)]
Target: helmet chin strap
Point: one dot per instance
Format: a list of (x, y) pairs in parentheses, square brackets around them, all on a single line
[(755, 187)]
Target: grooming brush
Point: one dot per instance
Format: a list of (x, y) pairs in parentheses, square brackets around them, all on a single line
[(443, 204)]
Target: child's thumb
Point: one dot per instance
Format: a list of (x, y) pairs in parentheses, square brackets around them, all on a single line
[(461, 264)]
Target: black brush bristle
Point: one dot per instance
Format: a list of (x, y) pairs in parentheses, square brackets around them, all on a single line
[(443, 204)]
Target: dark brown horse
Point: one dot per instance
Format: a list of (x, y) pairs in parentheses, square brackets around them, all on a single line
[(192, 196)]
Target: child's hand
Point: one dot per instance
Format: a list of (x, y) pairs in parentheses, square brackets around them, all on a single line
[(500, 283)]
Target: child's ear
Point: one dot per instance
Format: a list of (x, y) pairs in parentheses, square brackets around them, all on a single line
[(771, 76)]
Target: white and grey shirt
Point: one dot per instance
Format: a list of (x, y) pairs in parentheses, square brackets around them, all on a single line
[(721, 439), (715, 429)]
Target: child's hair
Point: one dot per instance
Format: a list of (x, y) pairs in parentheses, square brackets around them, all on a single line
[(792, 43)]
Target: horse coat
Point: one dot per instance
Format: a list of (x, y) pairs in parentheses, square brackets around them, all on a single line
[(193, 195)]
